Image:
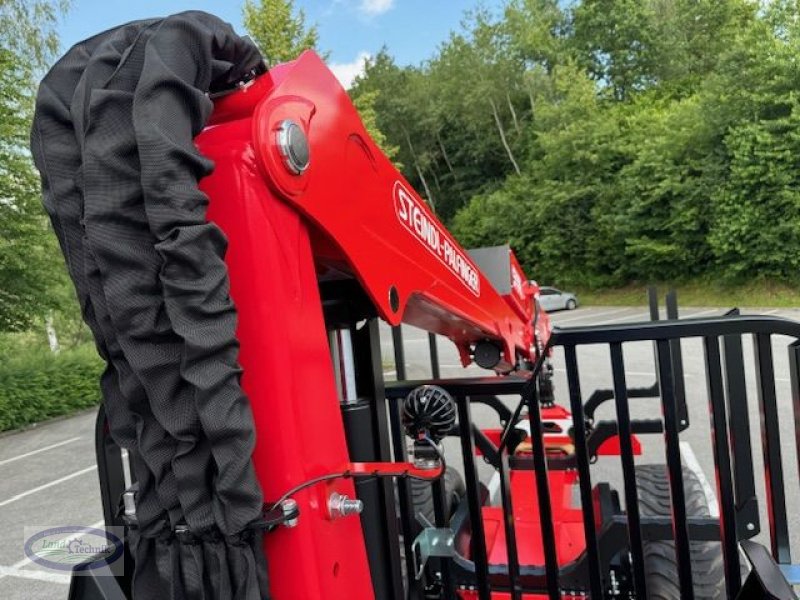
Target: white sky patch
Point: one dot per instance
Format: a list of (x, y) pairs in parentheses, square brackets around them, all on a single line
[(375, 7), (347, 72)]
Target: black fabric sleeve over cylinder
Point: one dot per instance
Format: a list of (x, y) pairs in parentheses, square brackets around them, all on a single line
[(113, 139), (186, 58), (55, 147)]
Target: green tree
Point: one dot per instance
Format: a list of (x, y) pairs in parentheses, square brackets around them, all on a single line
[(610, 141), (753, 103), (459, 118), (401, 105), (539, 31), (279, 30), (27, 30), (633, 45), (29, 268), (365, 105)]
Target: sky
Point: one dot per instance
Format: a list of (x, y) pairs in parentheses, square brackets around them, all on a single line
[(350, 30)]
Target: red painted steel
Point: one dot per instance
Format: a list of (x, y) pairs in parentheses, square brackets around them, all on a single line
[(351, 214), (365, 219), (288, 374), (468, 595), (567, 519)]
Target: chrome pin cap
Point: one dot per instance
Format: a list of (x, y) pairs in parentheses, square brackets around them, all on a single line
[(293, 146)]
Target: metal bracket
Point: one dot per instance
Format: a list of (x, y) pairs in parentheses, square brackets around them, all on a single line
[(432, 541)]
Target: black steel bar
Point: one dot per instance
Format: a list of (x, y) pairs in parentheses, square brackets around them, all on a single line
[(478, 538), (598, 397), (493, 402), (367, 432), (693, 327), (652, 302), (794, 378), (766, 579), (675, 469), (509, 527), (628, 470), (722, 463), (771, 445), (434, 352), (602, 431), (652, 297), (679, 385), (441, 513), (109, 470), (543, 492), (739, 427), (400, 454), (399, 353), (485, 445), (584, 475), (528, 389), (468, 386), (671, 302)]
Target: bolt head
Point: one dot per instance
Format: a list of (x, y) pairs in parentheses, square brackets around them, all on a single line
[(288, 506), (292, 144)]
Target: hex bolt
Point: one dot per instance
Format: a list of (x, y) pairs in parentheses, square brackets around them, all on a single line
[(340, 505), (288, 507)]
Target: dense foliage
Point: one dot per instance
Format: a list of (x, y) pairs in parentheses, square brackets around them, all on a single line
[(32, 280), (36, 384), (279, 29), (610, 140)]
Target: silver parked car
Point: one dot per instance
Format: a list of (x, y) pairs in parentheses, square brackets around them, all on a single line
[(551, 299)]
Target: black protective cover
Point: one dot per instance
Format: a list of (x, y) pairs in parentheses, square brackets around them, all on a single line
[(113, 139)]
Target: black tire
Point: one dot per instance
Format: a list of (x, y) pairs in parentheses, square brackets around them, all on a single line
[(571, 304), (422, 494), (660, 562)]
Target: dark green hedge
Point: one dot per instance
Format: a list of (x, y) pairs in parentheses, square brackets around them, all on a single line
[(37, 386)]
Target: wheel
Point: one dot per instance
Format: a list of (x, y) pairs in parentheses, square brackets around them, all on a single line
[(660, 562), (422, 494), (571, 304)]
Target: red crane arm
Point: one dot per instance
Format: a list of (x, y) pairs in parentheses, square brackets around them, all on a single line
[(368, 222), (348, 214)]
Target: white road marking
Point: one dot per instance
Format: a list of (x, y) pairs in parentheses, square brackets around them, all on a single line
[(61, 578), (702, 312), (494, 490), (645, 316), (634, 373), (47, 485), (690, 461), (770, 312), (556, 321), (44, 449), (629, 319)]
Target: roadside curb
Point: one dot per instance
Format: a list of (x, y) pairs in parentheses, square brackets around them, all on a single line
[(38, 424)]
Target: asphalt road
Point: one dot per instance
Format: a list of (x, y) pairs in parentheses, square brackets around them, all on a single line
[(48, 474)]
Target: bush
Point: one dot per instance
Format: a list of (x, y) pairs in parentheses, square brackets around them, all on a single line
[(36, 385)]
